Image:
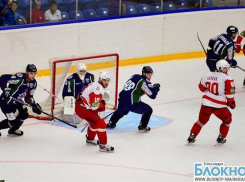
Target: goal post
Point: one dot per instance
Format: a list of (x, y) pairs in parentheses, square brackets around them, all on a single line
[(62, 67)]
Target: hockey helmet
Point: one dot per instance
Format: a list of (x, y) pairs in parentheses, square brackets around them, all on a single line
[(31, 68), (104, 75), (231, 30), (147, 69), (222, 64)]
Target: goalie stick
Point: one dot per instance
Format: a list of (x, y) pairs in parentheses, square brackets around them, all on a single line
[(21, 102), (207, 55)]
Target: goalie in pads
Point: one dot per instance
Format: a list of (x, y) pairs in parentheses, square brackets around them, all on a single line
[(74, 85), (88, 104)]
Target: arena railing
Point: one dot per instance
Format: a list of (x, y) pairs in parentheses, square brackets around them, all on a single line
[(95, 10)]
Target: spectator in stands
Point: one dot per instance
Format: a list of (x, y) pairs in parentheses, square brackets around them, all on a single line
[(53, 14), (195, 4), (114, 8), (37, 15), (10, 14), (5, 2)]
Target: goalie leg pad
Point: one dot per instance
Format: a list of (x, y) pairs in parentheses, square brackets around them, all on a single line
[(69, 105)]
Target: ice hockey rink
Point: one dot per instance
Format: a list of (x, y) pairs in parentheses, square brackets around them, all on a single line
[(53, 153)]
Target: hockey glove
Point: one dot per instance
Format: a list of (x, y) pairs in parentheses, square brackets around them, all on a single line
[(102, 106), (232, 105), (36, 108), (233, 63), (7, 92), (79, 97), (156, 85)]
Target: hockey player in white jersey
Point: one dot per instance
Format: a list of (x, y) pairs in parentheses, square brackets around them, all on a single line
[(219, 92), (88, 104)]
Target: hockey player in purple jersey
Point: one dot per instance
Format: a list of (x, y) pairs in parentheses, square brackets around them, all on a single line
[(130, 99)]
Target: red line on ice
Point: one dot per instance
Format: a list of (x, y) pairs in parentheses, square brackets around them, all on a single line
[(105, 165)]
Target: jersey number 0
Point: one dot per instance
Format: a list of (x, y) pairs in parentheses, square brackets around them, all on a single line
[(213, 88)]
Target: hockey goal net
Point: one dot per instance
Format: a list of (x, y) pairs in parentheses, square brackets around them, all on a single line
[(62, 67)]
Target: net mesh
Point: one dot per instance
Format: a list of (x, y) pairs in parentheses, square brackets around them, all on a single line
[(62, 67)]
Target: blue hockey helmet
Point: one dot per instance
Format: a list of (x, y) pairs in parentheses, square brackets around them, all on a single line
[(147, 69), (231, 30), (31, 68)]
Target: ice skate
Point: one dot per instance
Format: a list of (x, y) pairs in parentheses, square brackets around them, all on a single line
[(92, 142), (220, 140), (110, 125), (106, 148), (143, 130), (191, 138), (13, 132)]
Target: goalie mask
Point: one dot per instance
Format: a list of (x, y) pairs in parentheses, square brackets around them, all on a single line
[(81, 70)]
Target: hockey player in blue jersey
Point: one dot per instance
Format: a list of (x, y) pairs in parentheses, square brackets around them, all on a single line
[(75, 83), (130, 99), (19, 86), (222, 47)]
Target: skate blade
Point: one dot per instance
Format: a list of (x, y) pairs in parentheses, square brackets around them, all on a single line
[(189, 144), (13, 135), (218, 144), (93, 144), (140, 131), (109, 151)]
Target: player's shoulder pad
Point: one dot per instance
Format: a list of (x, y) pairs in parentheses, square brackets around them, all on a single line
[(136, 76), (19, 75), (97, 87), (89, 74), (228, 77), (72, 76)]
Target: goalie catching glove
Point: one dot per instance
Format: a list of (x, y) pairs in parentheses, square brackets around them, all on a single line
[(36, 108)]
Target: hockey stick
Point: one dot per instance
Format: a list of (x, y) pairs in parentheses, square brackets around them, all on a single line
[(204, 51), (207, 56), (240, 68), (49, 92), (202, 45), (86, 125), (21, 102)]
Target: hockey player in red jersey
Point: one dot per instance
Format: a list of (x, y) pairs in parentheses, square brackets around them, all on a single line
[(88, 104), (219, 90)]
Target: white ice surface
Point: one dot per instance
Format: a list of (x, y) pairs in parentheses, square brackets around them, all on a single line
[(56, 154)]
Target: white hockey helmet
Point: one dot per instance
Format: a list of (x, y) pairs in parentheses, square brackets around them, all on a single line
[(104, 75), (222, 64), (81, 67)]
